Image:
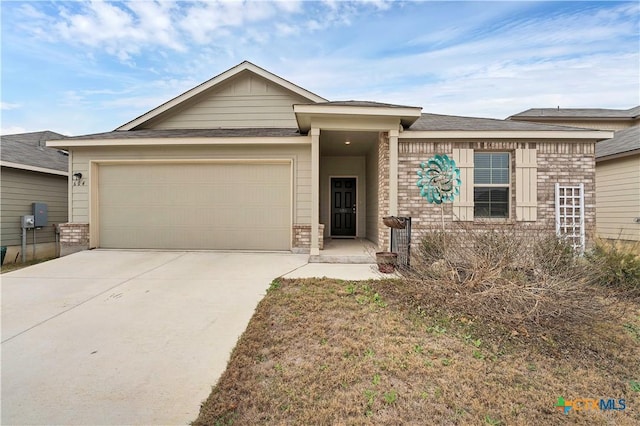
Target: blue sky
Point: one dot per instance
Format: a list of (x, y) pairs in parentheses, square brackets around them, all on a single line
[(86, 67)]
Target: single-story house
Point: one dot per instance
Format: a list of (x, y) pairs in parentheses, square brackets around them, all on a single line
[(249, 160), (617, 164), (31, 172)]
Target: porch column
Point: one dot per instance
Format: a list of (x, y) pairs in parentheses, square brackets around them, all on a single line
[(393, 172), (315, 190)]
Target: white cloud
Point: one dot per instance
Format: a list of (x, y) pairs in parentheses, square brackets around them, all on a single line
[(483, 59), (12, 130), (287, 30), (8, 106)]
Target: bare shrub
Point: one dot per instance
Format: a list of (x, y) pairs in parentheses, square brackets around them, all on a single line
[(524, 280)]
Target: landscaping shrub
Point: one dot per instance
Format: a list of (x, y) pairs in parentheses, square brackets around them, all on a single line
[(619, 263), (522, 280)]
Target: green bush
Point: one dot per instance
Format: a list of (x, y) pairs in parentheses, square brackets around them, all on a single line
[(619, 264)]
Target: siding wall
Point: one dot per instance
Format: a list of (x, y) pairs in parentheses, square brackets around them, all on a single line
[(246, 101), (301, 155), (20, 188), (342, 167), (564, 162), (618, 198)]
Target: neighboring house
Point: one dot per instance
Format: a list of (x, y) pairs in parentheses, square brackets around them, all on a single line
[(249, 160), (617, 164), (31, 172)]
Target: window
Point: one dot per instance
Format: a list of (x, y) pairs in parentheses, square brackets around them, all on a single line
[(491, 185)]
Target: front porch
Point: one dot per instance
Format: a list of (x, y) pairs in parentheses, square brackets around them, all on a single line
[(352, 250), (354, 171)]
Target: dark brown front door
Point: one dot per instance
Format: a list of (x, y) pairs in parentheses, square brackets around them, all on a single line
[(343, 207)]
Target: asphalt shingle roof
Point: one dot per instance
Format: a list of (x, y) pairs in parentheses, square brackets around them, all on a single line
[(623, 141), (191, 133), (363, 104), (453, 122), (29, 149), (591, 113)]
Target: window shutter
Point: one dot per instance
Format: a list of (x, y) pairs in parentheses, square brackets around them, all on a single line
[(463, 204), (526, 185)]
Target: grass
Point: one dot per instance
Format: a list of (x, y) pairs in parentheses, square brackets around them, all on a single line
[(321, 351), (9, 267)]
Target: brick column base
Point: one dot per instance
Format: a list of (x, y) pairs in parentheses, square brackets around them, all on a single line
[(74, 237), (302, 238)]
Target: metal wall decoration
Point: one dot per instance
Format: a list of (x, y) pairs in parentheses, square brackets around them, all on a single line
[(439, 179)]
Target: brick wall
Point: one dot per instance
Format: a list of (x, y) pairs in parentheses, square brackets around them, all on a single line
[(566, 162), (74, 237), (302, 238), (383, 190)]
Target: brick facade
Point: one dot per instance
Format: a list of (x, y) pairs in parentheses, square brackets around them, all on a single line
[(383, 190), (302, 238), (567, 163), (74, 237)]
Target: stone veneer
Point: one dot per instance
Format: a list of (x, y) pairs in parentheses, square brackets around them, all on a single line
[(74, 237), (302, 238), (566, 162)]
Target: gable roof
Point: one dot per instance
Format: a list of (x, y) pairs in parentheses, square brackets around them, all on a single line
[(579, 113), (623, 142), (28, 151), (215, 81)]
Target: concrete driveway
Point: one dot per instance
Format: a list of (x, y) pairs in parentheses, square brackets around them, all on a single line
[(125, 337)]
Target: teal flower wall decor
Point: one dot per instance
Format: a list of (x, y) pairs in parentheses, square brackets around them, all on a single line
[(439, 180)]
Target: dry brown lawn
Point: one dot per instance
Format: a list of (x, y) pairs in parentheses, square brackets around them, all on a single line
[(331, 352)]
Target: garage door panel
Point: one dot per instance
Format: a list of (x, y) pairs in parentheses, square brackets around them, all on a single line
[(195, 206)]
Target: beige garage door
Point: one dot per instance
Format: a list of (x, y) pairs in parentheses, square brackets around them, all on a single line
[(217, 206)]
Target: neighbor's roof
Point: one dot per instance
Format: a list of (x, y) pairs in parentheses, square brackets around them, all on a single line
[(580, 113), (439, 122), (623, 141), (28, 149)]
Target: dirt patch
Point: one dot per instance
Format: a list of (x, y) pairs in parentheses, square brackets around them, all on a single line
[(321, 351)]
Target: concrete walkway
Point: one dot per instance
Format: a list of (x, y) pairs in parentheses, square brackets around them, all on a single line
[(131, 337)]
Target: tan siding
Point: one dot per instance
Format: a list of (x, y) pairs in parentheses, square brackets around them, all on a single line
[(245, 101), (19, 189), (300, 154), (618, 198)]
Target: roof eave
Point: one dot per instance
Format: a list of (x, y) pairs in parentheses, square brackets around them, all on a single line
[(31, 168), (306, 112), (181, 141)]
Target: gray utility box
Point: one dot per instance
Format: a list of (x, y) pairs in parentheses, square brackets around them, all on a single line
[(27, 221), (40, 215)]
